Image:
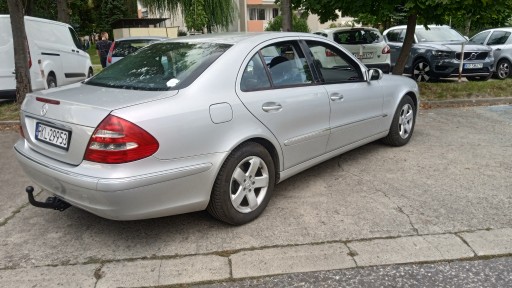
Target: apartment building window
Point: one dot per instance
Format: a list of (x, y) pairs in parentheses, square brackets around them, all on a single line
[(275, 12), (257, 14)]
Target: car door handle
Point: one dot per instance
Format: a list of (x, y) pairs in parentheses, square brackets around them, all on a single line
[(498, 49), (336, 97), (271, 106)]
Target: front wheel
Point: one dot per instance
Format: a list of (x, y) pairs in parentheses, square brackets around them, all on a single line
[(422, 71), (402, 125), (90, 73), (503, 69), (244, 185), (51, 81)]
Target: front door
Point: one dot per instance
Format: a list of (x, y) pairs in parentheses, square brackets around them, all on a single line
[(356, 105), (74, 64)]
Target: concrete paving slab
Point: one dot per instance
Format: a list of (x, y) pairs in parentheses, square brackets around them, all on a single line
[(409, 250), (493, 242), (12, 179), (145, 273), (291, 259), (63, 276)]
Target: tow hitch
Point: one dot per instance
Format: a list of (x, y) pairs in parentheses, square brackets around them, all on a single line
[(54, 203)]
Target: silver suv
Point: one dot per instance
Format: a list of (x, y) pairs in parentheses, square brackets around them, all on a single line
[(501, 43), (436, 53)]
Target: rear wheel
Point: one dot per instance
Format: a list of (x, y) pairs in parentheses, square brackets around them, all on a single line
[(422, 71), (402, 125), (503, 69), (244, 185), (51, 81), (90, 73)]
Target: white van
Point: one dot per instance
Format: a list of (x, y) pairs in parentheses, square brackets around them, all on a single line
[(55, 44)]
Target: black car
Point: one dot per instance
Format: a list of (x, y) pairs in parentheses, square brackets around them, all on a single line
[(436, 53)]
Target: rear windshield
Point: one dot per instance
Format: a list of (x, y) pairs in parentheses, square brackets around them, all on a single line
[(161, 66), (126, 47), (438, 34), (359, 36)]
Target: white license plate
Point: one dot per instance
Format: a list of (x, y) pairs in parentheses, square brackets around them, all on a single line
[(473, 65), (52, 135), (366, 55)]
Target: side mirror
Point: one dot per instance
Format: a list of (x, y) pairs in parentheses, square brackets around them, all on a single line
[(374, 74)]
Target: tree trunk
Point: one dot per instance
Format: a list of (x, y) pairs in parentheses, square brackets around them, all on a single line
[(467, 25), (406, 47), (21, 56), (286, 13), (63, 11)]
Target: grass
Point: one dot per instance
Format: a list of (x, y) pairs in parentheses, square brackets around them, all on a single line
[(443, 90), (95, 59), (451, 89)]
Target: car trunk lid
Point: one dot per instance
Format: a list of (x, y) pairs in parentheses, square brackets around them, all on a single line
[(59, 122)]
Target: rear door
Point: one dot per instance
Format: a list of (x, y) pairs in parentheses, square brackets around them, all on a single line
[(356, 105), (277, 87)]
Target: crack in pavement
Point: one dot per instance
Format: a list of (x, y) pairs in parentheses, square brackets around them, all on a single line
[(465, 242), (416, 231), (17, 211)]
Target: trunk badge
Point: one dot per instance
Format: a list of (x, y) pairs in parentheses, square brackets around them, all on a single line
[(44, 109)]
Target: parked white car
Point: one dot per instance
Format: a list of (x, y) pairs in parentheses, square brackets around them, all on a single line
[(55, 44), (366, 43), (501, 43)]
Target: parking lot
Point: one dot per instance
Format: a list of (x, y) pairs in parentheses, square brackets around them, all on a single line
[(447, 191)]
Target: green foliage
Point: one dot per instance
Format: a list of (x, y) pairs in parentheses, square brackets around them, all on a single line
[(195, 14), (298, 24), (3, 7)]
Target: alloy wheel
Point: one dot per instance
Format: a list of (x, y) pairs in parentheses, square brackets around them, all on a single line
[(249, 184), (421, 72), (405, 122), (503, 69)]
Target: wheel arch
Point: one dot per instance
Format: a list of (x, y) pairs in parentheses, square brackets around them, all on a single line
[(270, 147)]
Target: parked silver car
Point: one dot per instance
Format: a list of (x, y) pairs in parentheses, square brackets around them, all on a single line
[(123, 47), (205, 123), (501, 43)]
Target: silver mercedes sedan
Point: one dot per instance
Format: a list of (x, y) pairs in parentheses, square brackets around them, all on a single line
[(211, 122)]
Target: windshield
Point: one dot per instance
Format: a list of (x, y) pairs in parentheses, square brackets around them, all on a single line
[(438, 34), (366, 36), (160, 66)]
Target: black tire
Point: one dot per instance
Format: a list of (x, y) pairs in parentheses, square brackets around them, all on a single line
[(51, 81), (90, 73), (400, 133), (422, 71), (222, 199), (479, 78), (503, 69)]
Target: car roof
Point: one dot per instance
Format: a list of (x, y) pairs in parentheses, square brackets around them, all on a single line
[(345, 29), (419, 26), (509, 29), (238, 37)]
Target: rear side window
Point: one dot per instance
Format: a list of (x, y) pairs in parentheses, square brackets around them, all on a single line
[(498, 38), (127, 47), (161, 66), (366, 36)]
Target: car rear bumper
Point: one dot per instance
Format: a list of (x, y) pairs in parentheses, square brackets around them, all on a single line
[(162, 192)]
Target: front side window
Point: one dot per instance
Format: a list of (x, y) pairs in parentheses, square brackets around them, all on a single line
[(498, 38), (161, 66), (334, 65), (479, 38), (396, 35), (77, 41)]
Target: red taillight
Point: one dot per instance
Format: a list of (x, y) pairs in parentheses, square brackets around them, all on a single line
[(110, 51), (386, 50), (117, 141), (329, 53)]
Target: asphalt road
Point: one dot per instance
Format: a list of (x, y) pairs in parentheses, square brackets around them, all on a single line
[(444, 196)]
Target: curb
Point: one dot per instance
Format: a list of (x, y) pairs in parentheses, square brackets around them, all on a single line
[(466, 102)]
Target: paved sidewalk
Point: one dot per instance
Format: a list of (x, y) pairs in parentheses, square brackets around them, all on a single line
[(443, 197)]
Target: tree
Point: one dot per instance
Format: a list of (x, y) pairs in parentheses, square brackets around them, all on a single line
[(423, 11), (195, 15), (298, 24), (21, 57), (220, 14), (63, 11), (286, 13)]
